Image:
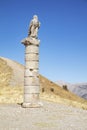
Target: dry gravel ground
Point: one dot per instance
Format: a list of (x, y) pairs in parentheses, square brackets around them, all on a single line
[(51, 116)]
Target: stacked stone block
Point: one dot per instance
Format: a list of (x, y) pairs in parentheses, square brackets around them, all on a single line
[(31, 73)]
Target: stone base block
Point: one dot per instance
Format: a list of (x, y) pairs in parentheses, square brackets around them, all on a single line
[(31, 57), (31, 97), (31, 73), (30, 91), (32, 105), (31, 81), (31, 49), (32, 64)]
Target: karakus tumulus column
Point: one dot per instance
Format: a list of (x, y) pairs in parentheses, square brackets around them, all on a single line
[(31, 72)]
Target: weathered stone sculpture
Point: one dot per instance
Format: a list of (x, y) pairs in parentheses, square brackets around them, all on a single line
[(31, 72), (34, 26)]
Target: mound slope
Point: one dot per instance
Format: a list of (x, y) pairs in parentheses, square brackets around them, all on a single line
[(11, 86)]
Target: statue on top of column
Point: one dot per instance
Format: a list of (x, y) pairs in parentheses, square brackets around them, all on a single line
[(33, 28)]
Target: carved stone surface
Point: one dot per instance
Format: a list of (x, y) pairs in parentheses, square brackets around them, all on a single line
[(30, 40), (31, 98), (34, 26), (32, 81), (31, 73), (31, 49), (32, 57), (31, 89), (32, 64)]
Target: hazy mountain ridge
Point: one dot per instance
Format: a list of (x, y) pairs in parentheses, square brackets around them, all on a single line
[(79, 89)]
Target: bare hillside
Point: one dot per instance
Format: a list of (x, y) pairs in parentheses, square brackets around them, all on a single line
[(11, 86), (5, 73), (17, 72)]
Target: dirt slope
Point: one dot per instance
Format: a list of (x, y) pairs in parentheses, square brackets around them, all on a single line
[(11, 86)]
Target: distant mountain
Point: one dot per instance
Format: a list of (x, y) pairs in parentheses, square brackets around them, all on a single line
[(79, 89)]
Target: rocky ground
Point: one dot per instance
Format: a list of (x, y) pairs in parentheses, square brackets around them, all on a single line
[(52, 116)]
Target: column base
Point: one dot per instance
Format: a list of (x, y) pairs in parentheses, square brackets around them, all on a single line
[(32, 105)]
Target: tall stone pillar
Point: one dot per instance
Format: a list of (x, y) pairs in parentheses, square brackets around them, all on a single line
[(31, 72)]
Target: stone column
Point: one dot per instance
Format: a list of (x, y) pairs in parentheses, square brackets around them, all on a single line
[(31, 72)]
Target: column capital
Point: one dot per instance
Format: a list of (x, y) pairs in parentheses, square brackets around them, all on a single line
[(30, 41)]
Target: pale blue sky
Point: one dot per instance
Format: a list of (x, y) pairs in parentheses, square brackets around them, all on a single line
[(63, 35)]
